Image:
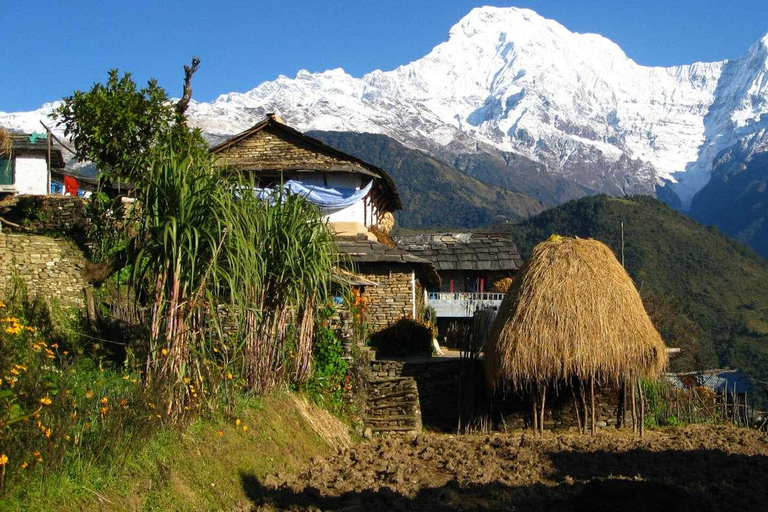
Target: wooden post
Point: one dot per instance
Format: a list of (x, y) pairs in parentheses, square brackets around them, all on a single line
[(622, 405), (634, 406), (576, 407), (534, 412), (584, 406), (642, 407), (592, 396), (543, 405)]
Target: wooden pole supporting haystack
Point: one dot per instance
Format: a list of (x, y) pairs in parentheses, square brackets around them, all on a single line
[(576, 407), (592, 396), (584, 406), (543, 394), (535, 410), (642, 407), (634, 406)]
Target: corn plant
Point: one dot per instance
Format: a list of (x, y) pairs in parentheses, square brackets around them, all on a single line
[(279, 259), (181, 232)]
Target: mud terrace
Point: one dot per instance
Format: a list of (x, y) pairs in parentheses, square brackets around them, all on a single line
[(693, 468)]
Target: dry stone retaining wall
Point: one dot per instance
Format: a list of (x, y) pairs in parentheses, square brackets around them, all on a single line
[(46, 214), (439, 385), (392, 404), (49, 267)]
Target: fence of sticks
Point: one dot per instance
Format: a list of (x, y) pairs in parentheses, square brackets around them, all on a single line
[(670, 405)]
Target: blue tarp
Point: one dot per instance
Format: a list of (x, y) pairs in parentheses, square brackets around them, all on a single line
[(328, 199)]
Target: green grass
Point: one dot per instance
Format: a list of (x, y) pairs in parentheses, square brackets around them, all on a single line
[(193, 469)]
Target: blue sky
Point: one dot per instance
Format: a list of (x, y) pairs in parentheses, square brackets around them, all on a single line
[(52, 47)]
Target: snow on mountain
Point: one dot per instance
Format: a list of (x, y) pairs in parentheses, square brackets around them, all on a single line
[(511, 80)]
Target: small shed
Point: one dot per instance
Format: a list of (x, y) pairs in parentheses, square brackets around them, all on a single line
[(26, 169)]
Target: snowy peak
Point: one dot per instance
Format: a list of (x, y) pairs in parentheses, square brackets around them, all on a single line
[(511, 81)]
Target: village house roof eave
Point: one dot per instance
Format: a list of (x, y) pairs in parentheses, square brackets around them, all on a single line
[(272, 122), (22, 145), (464, 251), (362, 252)]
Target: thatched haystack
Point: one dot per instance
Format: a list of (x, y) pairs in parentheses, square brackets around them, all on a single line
[(572, 312)]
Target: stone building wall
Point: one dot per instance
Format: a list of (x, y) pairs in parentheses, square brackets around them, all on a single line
[(391, 300), (274, 150), (49, 267), (45, 214)]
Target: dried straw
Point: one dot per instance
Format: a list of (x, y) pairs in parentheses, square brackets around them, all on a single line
[(572, 312), (6, 142)]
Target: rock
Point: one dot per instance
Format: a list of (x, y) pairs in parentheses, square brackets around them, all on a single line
[(368, 433), (601, 424)]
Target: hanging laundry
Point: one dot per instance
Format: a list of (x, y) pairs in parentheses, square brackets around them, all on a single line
[(70, 186)]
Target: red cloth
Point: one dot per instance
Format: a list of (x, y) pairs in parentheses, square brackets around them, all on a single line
[(70, 185)]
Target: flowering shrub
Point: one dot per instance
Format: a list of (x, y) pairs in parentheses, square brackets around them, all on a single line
[(52, 409)]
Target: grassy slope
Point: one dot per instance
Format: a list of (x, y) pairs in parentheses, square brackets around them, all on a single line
[(719, 284), (192, 470), (434, 194)]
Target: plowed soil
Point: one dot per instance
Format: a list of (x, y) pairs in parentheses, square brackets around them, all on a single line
[(693, 468)]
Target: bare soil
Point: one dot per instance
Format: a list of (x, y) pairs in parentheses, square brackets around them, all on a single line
[(693, 468)]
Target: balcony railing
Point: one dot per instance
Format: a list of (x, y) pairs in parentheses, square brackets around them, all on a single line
[(462, 304), (465, 296)]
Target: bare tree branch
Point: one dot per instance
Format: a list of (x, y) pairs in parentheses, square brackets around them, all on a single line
[(183, 103)]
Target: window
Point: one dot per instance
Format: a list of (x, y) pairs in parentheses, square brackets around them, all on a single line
[(6, 170)]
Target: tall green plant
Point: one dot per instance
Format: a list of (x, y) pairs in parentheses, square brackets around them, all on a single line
[(280, 256), (181, 232)]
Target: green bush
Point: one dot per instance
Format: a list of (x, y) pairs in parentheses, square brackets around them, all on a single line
[(406, 337), (330, 379)]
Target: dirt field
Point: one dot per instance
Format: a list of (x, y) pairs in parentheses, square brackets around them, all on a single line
[(694, 468)]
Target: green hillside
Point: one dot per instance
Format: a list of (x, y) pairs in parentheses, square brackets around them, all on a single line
[(706, 293), (434, 194)]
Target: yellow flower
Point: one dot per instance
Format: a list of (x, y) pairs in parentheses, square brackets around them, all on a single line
[(24, 465), (245, 428), (126, 377), (124, 402), (48, 432), (220, 433), (67, 438), (164, 352), (229, 376), (104, 400), (104, 410), (46, 401), (89, 393), (3, 460), (237, 421)]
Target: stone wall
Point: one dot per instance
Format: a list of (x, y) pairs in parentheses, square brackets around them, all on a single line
[(440, 384), (392, 404), (391, 300), (49, 267), (45, 214), (272, 149)]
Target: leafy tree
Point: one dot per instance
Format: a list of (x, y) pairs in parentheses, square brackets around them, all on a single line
[(118, 126)]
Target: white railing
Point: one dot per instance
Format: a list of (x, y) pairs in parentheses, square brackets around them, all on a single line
[(465, 296)]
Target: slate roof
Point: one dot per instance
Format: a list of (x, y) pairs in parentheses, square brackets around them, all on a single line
[(362, 251), (354, 165), (24, 143), (716, 380), (464, 251)]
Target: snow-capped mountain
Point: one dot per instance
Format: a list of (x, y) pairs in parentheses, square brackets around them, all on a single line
[(510, 81)]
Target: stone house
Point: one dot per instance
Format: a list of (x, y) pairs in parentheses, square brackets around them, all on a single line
[(471, 267), (355, 198), (27, 169)]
